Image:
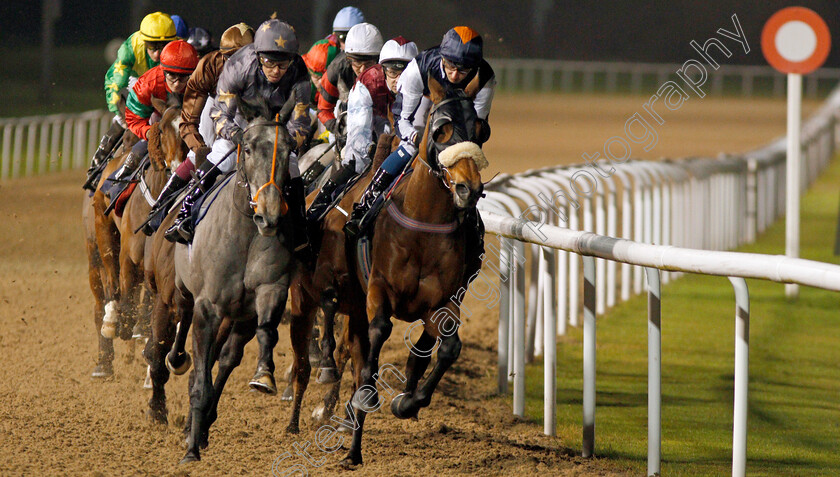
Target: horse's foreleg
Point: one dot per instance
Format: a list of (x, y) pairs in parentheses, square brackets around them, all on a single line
[(178, 360), (240, 333), (326, 409), (105, 360), (131, 276), (162, 334), (270, 301), (108, 245), (408, 405), (201, 392), (329, 373), (300, 330), (418, 360), (360, 347)]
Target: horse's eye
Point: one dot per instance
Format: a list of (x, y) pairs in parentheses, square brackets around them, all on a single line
[(246, 149)]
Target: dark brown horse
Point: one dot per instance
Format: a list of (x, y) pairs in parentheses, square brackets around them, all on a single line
[(417, 265)]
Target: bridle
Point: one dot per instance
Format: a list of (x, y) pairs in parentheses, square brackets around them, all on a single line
[(284, 207)]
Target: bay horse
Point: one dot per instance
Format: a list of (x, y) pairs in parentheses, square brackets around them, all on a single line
[(415, 270), (115, 251), (238, 267)]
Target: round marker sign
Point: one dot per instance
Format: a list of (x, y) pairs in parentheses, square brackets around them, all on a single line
[(795, 40)]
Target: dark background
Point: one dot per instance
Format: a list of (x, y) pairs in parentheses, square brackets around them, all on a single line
[(653, 31)]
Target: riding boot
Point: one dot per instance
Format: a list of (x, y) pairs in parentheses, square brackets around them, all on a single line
[(132, 161), (381, 181), (312, 173), (173, 185), (296, 200), (325, 196), (474, 231), (181, 230), (106, 145)]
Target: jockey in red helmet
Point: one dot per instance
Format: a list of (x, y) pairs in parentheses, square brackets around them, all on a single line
[(139, 53), (177, 62)]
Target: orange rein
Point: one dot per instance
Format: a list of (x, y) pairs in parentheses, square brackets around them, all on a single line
[(284, 207)]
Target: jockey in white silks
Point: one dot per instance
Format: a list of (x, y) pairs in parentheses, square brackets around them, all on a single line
[(369, 101)]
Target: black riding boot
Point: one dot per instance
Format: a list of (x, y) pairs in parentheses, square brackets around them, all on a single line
[(474, 229), (297, 214), (325, 196), (381, 181), (173, 185), (182, 230), (132, 161), (106, 145)]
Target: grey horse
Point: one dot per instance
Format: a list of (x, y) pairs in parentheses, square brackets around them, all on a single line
[(237, 271)]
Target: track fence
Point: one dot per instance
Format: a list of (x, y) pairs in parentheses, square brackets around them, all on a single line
[(654, 218)]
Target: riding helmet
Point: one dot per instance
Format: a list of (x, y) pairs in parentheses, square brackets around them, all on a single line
[(363, 40), (236, 36), (179, 57), (201, 40), (397, 52), (181, 29), (276, 40), (463, 46), (346, 18), (157, 26)]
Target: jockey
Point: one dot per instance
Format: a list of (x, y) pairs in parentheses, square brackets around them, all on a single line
[(269, 70), (367, 116), (139, 53), (361, 50), (182, 31), (453, 64), (177, 62), (201, 40), (324, 51), (196, 125)]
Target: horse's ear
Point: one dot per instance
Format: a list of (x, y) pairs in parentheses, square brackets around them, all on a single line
[(159, 105), (251, 110), (473, 86), (436, 91)]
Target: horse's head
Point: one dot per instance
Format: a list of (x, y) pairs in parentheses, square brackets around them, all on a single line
[(263, 162), (166, 149), (450, 141)]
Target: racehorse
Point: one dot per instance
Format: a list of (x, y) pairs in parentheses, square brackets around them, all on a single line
[(417, 262), (238, 268)]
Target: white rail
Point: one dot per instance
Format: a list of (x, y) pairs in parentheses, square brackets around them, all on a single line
[(603, 76), (41, 144), (691, 209)]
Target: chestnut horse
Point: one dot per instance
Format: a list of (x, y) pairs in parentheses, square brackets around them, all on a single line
[(415, 271), (238, 268)]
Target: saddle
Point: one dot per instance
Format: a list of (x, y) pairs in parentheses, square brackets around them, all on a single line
[(202, 205), (118, 193)]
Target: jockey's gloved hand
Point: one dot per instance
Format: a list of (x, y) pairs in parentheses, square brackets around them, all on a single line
[(238, 137)]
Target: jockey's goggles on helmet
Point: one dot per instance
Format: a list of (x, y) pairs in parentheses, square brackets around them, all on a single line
[(360, 60), (460, 68), (270, 63), (176, 76), (395, 67), (341, 35), (156, 45)]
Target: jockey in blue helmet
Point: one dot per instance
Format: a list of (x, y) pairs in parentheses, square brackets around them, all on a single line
[(181, 29), (453, 64), (344, 21)]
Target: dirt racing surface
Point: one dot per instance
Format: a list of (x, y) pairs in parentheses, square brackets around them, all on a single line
[(54, 419)]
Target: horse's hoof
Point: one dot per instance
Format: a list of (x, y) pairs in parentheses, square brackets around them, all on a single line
[(157, 416), (175, 368), (328, 376), (263, 382), (292, 429), (137, 333), (102, 371), (147, 383), (191, 456), (319, 413), (400, 410), (288, 393), (344, 429), (109, 329), (350, 461)]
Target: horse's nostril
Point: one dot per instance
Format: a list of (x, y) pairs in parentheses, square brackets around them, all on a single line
[(259, 220)]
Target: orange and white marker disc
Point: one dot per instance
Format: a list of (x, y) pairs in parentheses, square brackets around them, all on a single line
[(795, 40)]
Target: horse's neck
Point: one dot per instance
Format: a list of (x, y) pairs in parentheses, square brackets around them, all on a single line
[(426, 200)]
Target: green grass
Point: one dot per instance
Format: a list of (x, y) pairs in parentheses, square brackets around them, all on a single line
[(794, 386)]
